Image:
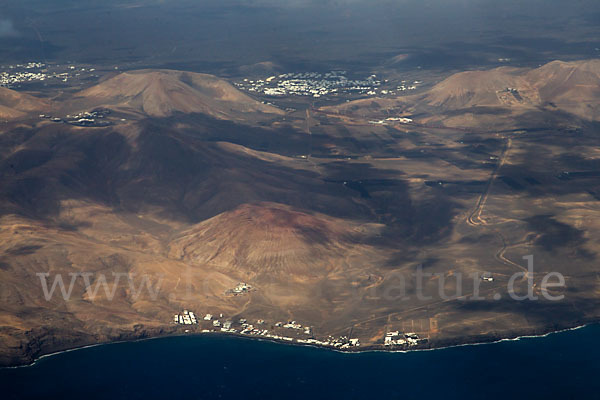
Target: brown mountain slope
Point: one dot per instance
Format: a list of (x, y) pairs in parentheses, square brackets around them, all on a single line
[(573, 87), (557, 82), (474, 88), (271, 238), (14, 104), (161, 93)]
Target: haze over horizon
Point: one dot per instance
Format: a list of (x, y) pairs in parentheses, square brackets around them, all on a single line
[(211, 35)]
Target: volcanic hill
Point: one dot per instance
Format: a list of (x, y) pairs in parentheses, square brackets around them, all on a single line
[(571, 87), (161, 93), (271, 238)]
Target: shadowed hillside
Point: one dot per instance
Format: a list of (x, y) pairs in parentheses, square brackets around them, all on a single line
[(326, 215)]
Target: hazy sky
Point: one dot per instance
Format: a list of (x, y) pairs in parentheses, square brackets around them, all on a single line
[(217, 33), (7, 28)]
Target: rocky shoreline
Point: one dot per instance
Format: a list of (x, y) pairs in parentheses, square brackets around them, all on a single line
[(46, 346)]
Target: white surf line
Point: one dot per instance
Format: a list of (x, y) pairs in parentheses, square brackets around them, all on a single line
[(480, 343), (262, 339)]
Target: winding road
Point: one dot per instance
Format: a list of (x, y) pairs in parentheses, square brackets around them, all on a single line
[(475, 218)]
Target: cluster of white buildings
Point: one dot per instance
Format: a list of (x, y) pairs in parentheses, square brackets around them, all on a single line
[(396, 338), (89, 118), (311, 84), (15, 75), (294, 325), (241, 288), (314, 84), (249, 329), (404, 86), (343, 342), (10, 80), (387, 121), (84, 118), (244, 327), (186, 318)]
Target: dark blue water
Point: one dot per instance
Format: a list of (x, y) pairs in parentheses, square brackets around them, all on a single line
[(560, 366)]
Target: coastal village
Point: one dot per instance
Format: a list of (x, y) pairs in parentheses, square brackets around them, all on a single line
[(290, 331), (396, 338)]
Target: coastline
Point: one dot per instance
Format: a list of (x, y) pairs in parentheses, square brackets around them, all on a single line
[(432, 346)]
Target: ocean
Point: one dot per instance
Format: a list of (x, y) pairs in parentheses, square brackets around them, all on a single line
[(564, 365)]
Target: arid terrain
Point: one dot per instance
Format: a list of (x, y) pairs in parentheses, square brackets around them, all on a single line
[(409, 213)]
